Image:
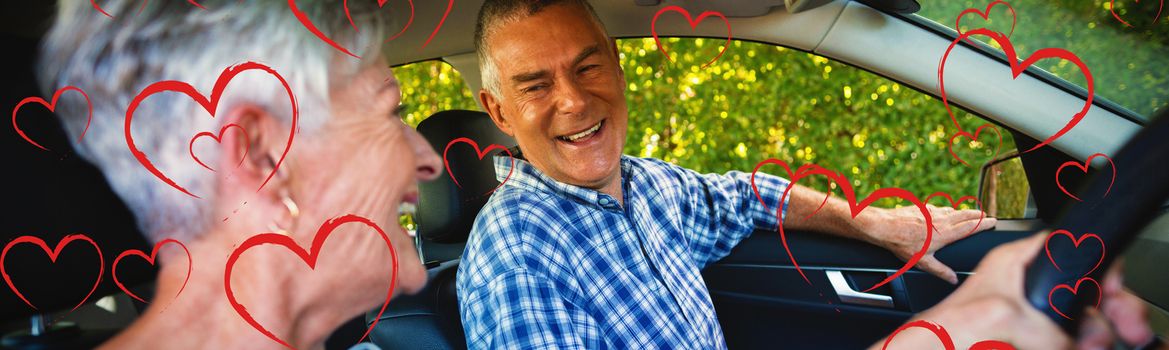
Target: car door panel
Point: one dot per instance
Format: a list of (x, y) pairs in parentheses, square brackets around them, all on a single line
[(763, 301)]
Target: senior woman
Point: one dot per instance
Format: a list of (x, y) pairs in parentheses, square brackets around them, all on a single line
[(351, 155)]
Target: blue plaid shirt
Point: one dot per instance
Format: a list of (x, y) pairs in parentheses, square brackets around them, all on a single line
[(555, 266)]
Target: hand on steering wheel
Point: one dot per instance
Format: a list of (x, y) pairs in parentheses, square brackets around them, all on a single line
[(991, 306)]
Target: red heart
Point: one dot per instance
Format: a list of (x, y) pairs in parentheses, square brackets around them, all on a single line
[(308, 24), (1112, 8), (103, 11), (310, 258), (986, 15), (954, 204), (855, 209), (1074, 290), (481, 154), (944, 337), (1075, 242), (1084, 168), (52, 257), (209, 105), (217, 138), (693, 25), (1016, 69), (950, 146), (150, 259), (52, 108)]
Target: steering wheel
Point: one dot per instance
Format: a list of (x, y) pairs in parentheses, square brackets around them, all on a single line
[(1136, 197)]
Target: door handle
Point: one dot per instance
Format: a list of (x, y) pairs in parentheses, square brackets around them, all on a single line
[(851, 296)]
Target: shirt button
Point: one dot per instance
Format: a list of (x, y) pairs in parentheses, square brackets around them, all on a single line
[(604, 201)]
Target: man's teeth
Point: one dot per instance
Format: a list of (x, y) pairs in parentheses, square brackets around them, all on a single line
[(407, 208), (583, 134)]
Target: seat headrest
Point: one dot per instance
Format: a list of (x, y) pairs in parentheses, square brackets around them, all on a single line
[(446, 211)]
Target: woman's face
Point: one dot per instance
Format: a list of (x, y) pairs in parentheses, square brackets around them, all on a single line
[(364, 161)]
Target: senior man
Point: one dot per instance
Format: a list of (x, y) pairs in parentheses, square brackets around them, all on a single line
[(586, 247)]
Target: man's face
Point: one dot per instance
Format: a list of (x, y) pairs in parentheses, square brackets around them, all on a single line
[(562, 95)]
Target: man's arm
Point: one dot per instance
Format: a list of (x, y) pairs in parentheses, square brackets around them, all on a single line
[(900, 230), (719, 210), (520, 309)]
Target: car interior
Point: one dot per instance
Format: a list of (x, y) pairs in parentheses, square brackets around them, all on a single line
[(760, 297)]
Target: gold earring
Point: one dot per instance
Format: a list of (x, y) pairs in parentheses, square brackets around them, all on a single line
[(293, 212)]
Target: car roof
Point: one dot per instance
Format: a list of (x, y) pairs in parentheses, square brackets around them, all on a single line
[(623, 18)]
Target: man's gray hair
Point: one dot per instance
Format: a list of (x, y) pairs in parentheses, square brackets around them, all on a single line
[(497, 13), (113, 59)]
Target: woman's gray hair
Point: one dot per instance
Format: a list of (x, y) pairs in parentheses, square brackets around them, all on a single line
[(113, 59)]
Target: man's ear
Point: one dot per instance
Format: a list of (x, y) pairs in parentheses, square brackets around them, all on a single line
[(494, 110)]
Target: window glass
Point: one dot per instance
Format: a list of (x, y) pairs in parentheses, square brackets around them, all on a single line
[(1126, 53), (429, 87), (761, 101)]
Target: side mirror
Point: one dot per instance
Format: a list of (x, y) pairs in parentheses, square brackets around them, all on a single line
[(1003, 189)]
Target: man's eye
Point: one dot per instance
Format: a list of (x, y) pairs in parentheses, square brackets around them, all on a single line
[(534, 88), (588, 68)]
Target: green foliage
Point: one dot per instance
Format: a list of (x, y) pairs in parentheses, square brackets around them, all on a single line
[(761, 101), (429, 87), (1128, 64)]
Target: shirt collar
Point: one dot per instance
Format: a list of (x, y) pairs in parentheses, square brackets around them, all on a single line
[(527, 177)]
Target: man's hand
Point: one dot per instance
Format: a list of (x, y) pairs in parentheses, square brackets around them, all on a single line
[(990, 306), (902, 231)]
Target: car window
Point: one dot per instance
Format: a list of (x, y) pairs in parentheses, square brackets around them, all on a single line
[(760, 101), (429, 87), (1126, 53)]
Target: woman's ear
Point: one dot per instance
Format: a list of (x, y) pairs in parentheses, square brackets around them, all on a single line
[(494, 110), (252, 144)]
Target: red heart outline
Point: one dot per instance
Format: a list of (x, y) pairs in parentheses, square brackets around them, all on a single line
[(308, 24), (52, 257), (986, 16), (310, 258), (52, 108), (1076, 243), (693, 25), (381, 3), (1112, 8), (481, 154), (954, 204), (1074, 290), (854, 208), (103, 11), (977, 132), (1084, 168), (150, 259), (801, 169), (944, 337), (1016, 69), (218, 139), (211, 106)]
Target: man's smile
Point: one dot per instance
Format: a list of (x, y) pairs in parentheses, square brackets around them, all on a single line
[(583, 137)]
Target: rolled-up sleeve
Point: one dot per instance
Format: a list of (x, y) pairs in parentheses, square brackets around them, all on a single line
[(721, 209)]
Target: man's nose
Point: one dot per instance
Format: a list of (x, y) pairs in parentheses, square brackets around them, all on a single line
[(571, 98), (428, 165)]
